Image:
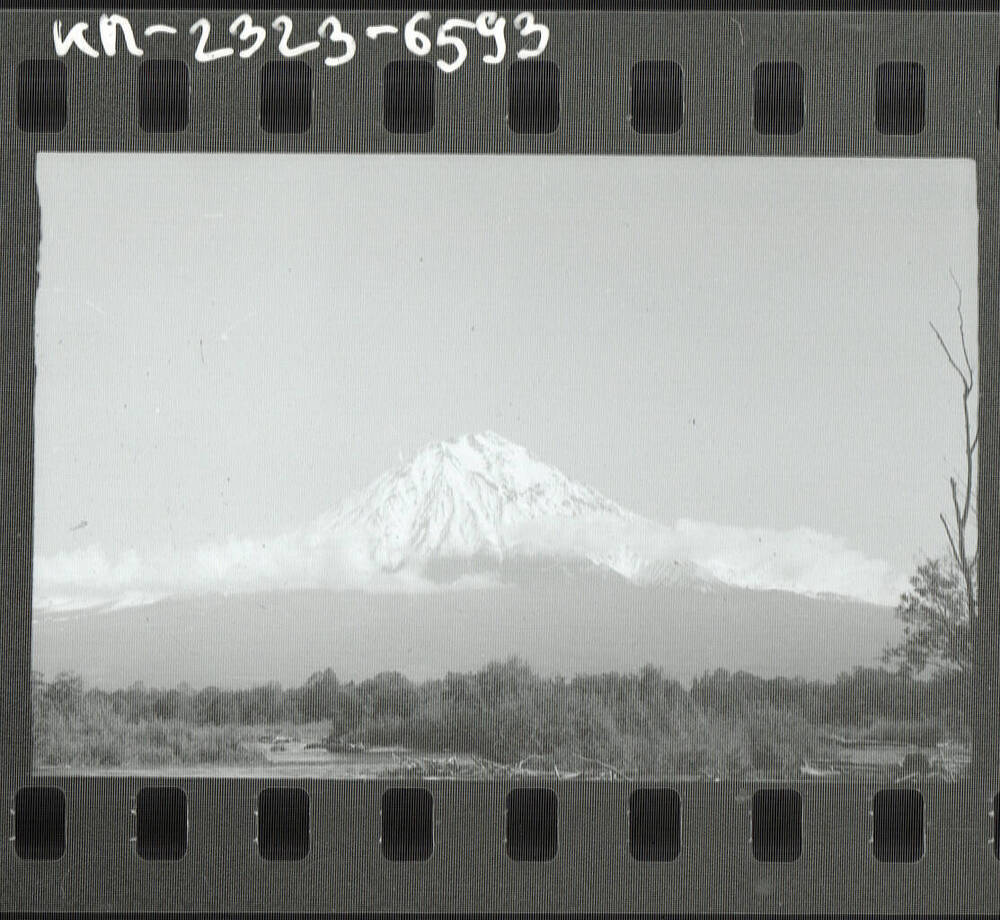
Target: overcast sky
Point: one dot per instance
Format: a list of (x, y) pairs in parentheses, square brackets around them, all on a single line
[(227, 344)]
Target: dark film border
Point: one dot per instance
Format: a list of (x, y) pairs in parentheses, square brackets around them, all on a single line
[(592, 870)]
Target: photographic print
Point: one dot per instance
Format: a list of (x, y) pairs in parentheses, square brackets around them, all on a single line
[(364, 466)]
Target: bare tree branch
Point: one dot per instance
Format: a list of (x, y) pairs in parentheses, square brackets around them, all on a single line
[(941, 609), (958, 370), (961, 325), (964, 506), (947, 530)]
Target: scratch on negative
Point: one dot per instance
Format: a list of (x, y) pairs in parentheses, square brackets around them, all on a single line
[(736, 22)]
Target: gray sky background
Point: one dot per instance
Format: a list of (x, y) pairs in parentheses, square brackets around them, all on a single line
[(227, 344)]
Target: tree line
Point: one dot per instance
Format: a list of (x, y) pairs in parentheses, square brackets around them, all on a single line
[(505, 711)]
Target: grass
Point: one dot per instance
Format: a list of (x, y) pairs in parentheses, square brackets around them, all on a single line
[(631, 725), (767, 742), (925, 732), (103, 738)]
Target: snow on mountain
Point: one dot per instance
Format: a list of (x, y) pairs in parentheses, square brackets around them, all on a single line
[(482, 497), (473, 511)]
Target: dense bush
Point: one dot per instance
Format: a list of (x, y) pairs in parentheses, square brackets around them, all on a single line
[(641, 723), (73, 728)]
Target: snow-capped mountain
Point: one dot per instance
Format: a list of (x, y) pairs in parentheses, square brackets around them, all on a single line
[(474, 511), (482, 498), (471, 551)]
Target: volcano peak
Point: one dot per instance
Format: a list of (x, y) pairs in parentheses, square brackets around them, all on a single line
[(465, 496)]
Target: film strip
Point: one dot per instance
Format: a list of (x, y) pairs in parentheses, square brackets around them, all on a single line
[(290, 626)]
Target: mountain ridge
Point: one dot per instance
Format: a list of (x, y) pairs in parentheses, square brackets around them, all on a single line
[(561, 625), (462, 512), (480, 496)]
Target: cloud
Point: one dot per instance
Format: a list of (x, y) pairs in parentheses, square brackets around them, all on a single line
[(87, 577), (801, 560)]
